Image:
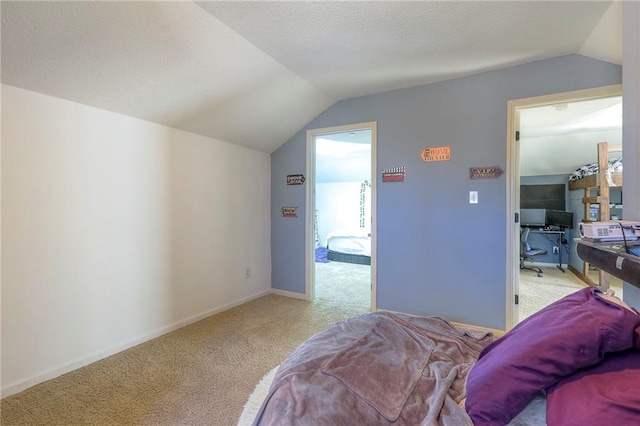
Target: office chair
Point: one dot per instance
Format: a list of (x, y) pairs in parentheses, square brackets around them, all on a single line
[(527, 252)]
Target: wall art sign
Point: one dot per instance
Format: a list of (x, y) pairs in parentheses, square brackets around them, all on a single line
[(394, 174), (289, 211), (436, 153), (295, 179), (485, 172)]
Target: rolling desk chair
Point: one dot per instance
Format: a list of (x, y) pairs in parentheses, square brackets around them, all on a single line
[(526, 252)]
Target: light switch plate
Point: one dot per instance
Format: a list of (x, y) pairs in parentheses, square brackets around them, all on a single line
[(473, 197)]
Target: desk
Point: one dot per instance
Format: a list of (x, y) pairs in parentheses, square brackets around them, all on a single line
[(558, 234)]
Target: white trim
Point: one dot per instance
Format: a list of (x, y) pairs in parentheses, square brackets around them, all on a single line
[(310, 207), (310, 203), (513, 238), (290, 294), (496, 332), (513, 247), (374, 215), (16, 387)]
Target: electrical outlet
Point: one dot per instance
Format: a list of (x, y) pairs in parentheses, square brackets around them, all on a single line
[(555, 249), (247, 274)]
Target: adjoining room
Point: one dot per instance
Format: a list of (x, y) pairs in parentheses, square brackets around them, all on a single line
[(558, 151), (342, 221)]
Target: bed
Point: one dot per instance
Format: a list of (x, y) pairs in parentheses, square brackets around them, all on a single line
[(352, 246), (387, 368), (587, 175), (596, 180)]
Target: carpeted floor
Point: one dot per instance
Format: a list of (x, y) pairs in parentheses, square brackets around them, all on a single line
[(346, 284), (538, 292), (201, 374)]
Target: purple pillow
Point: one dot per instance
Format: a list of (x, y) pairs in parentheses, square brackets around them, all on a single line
[(572, 333), (607, 393)]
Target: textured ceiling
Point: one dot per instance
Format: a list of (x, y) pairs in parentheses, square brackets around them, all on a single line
[(349, 49), (255, 73)]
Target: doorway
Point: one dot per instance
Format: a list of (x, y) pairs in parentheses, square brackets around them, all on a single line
[(340, 220), (521, 119)]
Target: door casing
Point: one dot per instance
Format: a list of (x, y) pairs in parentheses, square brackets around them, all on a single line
[(513, 179), (310, 203)]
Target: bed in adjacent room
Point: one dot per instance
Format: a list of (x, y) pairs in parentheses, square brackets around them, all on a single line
[(352, 246), (385, 368)]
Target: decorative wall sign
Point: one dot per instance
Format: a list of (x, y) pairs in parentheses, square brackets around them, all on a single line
[(394, 174), (487, 172), (295, 179), (436, 153), (289, 211)]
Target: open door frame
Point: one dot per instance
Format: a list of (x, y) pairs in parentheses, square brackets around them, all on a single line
[(513, 179), (310, 203)]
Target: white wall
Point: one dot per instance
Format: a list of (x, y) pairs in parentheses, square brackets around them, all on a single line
[(550, 155), (338, 206), (116, 230)]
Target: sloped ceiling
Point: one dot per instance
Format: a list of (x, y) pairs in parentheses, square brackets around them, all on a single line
[(557, 139), (255, 73)]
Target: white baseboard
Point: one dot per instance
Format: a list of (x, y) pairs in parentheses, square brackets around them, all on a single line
[(21, 385), (496, 332), (290, 294)]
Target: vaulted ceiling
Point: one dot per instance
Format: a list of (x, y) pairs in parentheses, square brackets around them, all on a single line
[(557, 139), (254, 73)]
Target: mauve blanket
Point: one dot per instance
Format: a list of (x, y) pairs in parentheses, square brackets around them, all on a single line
[(378, 368)]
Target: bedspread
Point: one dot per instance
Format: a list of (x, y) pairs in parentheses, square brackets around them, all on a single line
[(378, 368)]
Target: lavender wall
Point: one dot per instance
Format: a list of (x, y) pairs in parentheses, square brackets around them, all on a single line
[(437, 254)]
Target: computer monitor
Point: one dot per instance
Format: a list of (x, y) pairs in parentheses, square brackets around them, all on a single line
[(533, 218), (559, 218)]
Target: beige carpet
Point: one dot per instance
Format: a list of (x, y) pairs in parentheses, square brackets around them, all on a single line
[(254, 403), (538, 292), (346, 283), (199, 375), (203, 374)]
